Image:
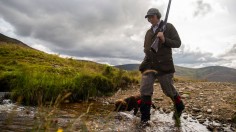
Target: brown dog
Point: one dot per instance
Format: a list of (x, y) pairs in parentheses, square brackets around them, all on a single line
[(129, 103)]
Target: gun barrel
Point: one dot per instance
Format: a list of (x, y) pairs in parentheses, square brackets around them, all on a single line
[(154, 46), (167, 12)]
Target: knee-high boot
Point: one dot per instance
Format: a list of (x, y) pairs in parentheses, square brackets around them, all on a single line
[(145, 108), (179, 106)]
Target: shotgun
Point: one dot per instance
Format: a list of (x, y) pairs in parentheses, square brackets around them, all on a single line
[(154, 46)]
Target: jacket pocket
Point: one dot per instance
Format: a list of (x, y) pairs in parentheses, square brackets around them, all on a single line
[(166, 66), (143, 66)]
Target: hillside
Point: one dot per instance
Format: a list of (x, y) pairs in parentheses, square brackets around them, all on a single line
[(217, 73), (212, 73), (32, 75), (6, 39), (128, 67)]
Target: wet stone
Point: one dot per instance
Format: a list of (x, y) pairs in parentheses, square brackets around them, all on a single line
[(185, 116), (168, 110), (196, 109), (164, 110), (225, 125), (184, 96), (199, 116), (201, 121), (209, 111)]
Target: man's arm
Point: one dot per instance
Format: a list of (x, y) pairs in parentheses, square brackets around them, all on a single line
[(172, 38), (145, 42)]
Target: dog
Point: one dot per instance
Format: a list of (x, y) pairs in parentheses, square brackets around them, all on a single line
[(129, 103)]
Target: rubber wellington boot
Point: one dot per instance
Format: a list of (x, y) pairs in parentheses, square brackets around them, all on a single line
[(179, 107), (145, 108)]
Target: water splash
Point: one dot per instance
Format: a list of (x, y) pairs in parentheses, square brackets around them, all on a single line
[(160, 122)]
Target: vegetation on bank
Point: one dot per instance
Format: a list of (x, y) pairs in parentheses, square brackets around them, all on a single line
[(37, 77)]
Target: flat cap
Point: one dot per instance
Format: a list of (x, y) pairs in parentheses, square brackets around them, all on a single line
[(153, 11)]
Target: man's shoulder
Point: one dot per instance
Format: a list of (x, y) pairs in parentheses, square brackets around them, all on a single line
[(148, 31), (169, 25)]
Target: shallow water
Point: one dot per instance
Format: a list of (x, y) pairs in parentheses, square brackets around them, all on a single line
[(93, 116)]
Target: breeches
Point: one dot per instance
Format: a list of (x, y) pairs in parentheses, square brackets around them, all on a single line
[(166, 82)]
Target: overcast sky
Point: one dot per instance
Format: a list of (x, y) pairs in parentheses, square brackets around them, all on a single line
[(112, 31)]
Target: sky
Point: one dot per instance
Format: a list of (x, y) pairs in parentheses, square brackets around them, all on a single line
[(112, 31)]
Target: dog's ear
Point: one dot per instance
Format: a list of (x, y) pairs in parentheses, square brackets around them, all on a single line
[(119, 104), (123, 103)]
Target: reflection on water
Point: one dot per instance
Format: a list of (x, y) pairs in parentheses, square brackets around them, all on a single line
[(93, 116)]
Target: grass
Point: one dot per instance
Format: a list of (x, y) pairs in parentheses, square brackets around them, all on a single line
[(38, 77)]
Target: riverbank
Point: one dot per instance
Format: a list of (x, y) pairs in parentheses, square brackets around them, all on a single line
[(97, 114), (205, 101)]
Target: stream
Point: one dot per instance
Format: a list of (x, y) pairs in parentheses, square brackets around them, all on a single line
[(92, 116)]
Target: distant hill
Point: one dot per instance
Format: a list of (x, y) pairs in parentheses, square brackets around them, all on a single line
[(211, 73), (6, 39), (217, 73), (128, 67)]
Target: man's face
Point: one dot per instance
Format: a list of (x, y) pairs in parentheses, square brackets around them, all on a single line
[(153, 19)]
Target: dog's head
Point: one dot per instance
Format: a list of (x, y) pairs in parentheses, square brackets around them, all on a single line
[(120, 105)]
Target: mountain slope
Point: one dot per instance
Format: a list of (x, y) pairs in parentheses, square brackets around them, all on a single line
[(212, 73), (33, 74), (6, 39), (217, 73)]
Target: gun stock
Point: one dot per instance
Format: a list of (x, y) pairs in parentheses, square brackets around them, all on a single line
[(154, 46)]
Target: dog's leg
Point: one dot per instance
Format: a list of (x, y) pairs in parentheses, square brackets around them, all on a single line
[(153, 106), (135, 111)]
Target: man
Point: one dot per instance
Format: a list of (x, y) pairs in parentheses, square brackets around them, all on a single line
[(159, 65)]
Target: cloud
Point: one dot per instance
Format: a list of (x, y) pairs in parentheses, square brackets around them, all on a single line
[(113, 31), (202, 8), (184, 56), (196, 58), (81, 28), (230, 6), (229, 57), (230, 53)]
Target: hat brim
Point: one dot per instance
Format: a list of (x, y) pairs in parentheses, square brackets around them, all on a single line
[(149, 15)]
